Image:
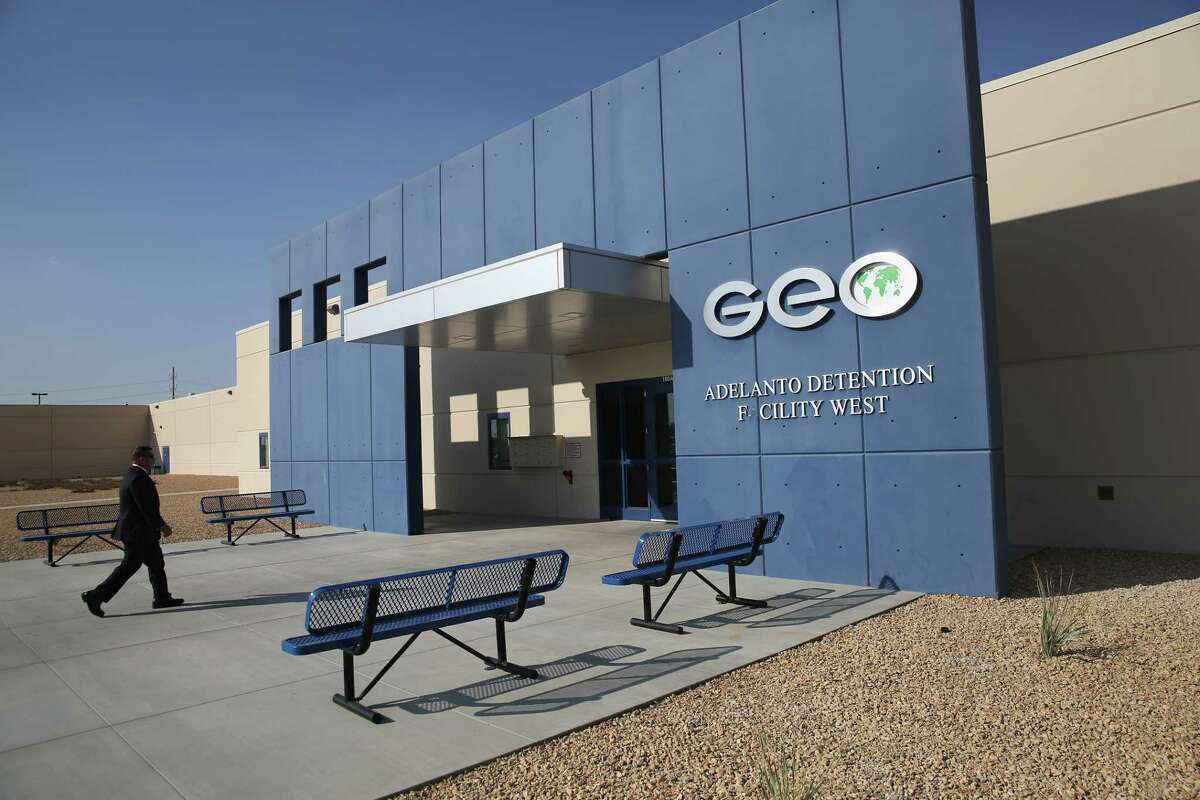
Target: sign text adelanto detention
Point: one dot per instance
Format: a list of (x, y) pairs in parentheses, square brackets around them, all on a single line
[(876, 285), (818, 386)]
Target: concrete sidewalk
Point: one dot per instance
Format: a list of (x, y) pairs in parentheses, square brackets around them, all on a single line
[(200, 702)]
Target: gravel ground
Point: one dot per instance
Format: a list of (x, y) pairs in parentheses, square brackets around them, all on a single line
[(896, 708), (182, 511)]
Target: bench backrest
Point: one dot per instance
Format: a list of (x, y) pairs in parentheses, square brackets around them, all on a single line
[(343, 605), (256, 501), (708, 539), (67, 517)]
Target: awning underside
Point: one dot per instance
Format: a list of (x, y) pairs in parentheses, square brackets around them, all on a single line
[(561, 299)]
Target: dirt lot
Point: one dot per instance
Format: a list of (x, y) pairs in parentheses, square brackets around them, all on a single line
[(179, 494), (946, 697)]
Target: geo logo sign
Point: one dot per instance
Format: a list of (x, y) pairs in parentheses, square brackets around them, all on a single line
[(877, 285)]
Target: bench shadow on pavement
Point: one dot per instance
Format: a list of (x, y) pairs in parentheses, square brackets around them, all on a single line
[(824, 609), (593, 689), (476, 693), (589, 690), (735, 614)]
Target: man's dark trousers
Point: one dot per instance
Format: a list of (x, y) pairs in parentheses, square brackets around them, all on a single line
[(137, 553), (139, 526)]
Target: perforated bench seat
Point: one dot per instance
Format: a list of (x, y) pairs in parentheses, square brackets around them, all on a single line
[(661, 555), (350, 616), (259, 507), (402, 626), (641, 575), (45, 537), (67, 522)]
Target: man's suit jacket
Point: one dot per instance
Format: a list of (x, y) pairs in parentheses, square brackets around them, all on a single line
[(138, 520)]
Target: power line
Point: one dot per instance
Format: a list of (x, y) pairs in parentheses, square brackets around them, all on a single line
[(114, 397), (88, 388)]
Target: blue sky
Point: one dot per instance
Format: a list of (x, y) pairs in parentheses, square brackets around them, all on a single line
[(152, 152)]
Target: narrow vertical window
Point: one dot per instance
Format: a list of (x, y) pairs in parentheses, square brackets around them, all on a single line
[(499, 432), (264, 450)]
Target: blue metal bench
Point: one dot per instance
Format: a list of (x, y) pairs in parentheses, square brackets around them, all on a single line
[(350, 616), (67, 523), (660, 555), (228, 507)]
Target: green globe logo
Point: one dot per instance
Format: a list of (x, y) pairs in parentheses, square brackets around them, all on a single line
[(876, 283), (880, 285)]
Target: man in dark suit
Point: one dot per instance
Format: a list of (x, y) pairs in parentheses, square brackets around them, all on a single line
[(139, 526)]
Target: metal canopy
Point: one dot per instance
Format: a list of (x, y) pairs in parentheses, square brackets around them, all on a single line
[(561, 299)]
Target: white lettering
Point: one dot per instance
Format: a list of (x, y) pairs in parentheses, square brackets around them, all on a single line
[(874, 286)]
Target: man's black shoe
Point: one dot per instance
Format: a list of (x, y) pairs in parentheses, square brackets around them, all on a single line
[(93, 603), (170, 602)]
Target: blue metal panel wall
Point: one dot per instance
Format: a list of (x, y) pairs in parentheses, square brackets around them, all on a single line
[(396, 438), (280, 281), (704, 139), (349, 246), (627, 158), (280, 390), (795, 134), (349, 400), (937, 229), (308, 268), (387, 235), (350, 494), (462, 212), (699, 358), (822, 240), (739, 494), (281, 476), (933, 520), (310, 432), (912, 495), (824, 536), (909, 79), (393, 500), (394, 395), (508, 190), (313, 478), (804, 135), (563, 171), (422, 230)]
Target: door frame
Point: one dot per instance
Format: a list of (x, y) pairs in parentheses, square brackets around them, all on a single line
[(649, 460)]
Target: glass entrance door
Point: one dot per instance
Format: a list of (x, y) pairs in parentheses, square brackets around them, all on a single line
[(636, 436)]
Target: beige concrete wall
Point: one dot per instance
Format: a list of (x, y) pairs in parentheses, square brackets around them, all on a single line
[(253, 346), (1094, 182), (216, 433), (544, 395), (69, 441)]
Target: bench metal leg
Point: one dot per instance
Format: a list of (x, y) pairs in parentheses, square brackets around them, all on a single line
[(231, 540), (347, 699), (732, 597), (502, 661), (353, 702), (649, 620), (50, 553)]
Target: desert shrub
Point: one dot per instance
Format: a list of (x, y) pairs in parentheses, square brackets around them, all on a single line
[(1061, 622)]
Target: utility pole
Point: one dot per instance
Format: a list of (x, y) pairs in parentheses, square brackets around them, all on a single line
[(39, 396), (172, 383)]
